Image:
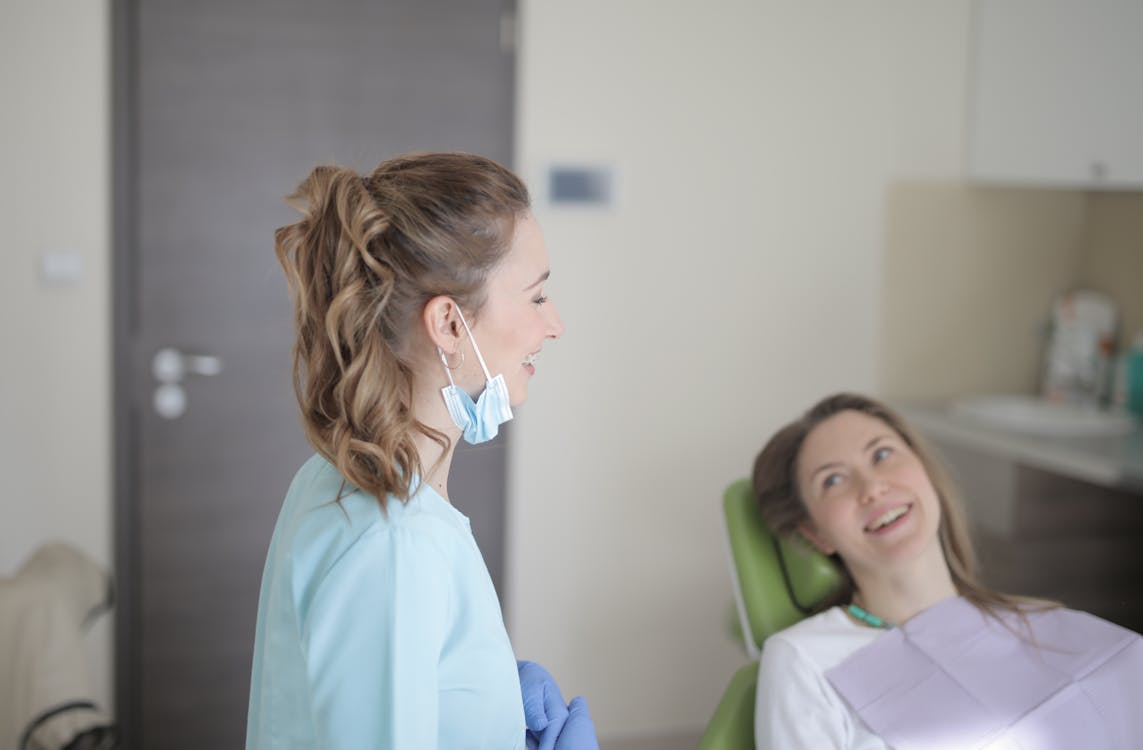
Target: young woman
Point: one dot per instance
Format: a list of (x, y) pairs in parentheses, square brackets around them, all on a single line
[(915, 652), (420, 312)]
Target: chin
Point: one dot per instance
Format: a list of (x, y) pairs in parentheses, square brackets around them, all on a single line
[(911, 550)]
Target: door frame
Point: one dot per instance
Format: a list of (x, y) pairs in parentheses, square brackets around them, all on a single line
[(125, 402)]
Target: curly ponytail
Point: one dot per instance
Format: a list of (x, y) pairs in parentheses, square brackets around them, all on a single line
[(365, 258)]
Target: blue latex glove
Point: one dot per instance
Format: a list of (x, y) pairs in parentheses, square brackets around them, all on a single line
[(544, 709), (578, 732)]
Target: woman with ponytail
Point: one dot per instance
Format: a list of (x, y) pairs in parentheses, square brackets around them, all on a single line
[(420, 309)]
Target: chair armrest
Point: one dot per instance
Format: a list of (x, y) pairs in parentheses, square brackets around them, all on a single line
[(732, 726)]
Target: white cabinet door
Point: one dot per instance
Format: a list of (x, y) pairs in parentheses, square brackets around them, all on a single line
[(1058, 93)]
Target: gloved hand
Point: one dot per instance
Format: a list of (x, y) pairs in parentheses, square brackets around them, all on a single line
[(544, 709), (578, 732)]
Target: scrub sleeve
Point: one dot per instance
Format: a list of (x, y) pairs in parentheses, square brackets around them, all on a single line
[(372, 667)]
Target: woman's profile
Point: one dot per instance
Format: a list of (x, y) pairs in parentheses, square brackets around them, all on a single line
[(420, 311)]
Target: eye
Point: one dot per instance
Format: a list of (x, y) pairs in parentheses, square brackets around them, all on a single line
[(540, 299), (831, 481), (882, 453)]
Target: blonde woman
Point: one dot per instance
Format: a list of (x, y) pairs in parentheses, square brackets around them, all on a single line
[(915, 652), (420, 311)]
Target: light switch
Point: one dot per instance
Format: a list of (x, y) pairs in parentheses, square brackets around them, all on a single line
[(588, 186), (61, 268)]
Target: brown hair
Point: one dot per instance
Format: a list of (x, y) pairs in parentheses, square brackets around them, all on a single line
[(783, 508), (365, 258)]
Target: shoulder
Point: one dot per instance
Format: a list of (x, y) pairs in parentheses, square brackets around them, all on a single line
[(322, 505), (821, 641), (325, 520), (1075, 619), (1067, 628), (795, 705)]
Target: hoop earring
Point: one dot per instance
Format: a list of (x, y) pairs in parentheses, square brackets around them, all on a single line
[(458, 364)]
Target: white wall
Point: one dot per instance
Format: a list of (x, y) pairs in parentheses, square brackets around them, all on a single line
[(970, 276), (55, 398), (739, 280), (1112, 259)]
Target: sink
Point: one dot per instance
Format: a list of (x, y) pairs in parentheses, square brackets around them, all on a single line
[(1035, 416)]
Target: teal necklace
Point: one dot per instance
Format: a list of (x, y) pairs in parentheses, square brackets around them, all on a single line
[(867, 618)]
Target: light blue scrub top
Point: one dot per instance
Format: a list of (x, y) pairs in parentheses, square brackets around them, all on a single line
[(379, 632)]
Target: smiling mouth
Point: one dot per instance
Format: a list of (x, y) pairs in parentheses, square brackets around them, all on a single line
[(887, 518), (531, 358)]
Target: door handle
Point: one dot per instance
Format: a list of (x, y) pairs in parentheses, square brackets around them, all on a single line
[(170, 366)]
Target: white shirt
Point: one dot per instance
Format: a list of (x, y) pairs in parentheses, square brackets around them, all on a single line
[(796, 706)]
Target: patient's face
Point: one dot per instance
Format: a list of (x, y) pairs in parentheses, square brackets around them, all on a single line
[(868, 495)]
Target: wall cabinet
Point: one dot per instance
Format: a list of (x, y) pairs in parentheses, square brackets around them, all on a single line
[(1057, 93)]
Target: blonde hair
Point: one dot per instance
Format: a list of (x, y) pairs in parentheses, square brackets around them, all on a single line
[(783, 508), (362, 262)]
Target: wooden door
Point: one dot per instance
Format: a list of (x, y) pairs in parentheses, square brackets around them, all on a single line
[(224, 106)]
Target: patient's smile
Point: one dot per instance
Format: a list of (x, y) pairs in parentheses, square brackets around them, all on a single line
[(888, 520)]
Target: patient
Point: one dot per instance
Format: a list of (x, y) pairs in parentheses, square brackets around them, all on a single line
[(914, 652)]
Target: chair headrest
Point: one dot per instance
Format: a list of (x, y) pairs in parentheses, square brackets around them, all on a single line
[(778, 581)]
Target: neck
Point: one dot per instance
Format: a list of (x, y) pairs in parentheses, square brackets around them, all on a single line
[(897, 595), (430, 410)]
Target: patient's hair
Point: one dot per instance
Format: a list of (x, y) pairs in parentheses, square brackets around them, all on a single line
[(783, 508), (367, 255)]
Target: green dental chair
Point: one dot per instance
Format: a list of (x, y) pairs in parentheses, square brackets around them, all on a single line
[(773, 590)]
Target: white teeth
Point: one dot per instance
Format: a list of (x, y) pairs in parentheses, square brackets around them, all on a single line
[(531, 358), (887, 518)]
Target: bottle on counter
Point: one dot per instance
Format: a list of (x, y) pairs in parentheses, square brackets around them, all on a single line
[(1133, 376), (1078, 361)]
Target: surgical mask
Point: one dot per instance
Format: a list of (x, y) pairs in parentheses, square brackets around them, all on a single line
[(479, 421)]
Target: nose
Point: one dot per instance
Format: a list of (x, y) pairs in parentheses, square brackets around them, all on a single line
[(555, 323), (872, 487)]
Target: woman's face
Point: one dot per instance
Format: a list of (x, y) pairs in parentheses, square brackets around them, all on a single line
[(868, 495), (517, 316)]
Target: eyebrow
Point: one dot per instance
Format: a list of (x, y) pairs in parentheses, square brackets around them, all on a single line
[(832, 464), (543, 277)]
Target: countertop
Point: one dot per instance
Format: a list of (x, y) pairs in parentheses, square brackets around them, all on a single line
[(1110, 461)]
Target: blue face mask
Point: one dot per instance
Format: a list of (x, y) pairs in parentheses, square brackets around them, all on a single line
[(480, 421)]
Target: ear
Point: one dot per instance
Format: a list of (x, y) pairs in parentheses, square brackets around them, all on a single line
[(442, 323), (819, 542)]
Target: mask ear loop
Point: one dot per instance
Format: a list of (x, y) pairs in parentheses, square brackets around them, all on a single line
[(444, 361), (457, 366), (475, 348)]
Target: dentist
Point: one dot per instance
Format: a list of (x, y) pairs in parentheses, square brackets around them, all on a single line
[(420, 311)]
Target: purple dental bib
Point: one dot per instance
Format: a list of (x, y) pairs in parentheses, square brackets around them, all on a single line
[(953, 677)]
